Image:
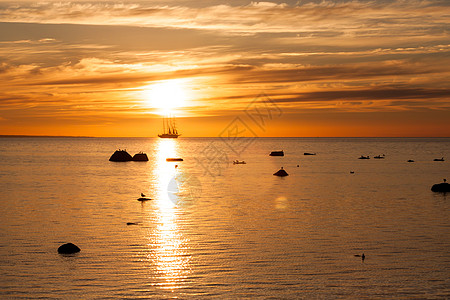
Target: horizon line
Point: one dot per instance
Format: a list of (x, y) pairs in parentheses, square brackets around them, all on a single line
[(144, 137)]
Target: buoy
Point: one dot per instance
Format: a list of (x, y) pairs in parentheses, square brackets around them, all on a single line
[(174, 159)]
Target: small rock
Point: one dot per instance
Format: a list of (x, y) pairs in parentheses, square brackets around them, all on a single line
[(68, 248), (281, 173)]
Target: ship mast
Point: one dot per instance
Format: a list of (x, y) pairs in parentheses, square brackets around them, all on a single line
[(164, 125)]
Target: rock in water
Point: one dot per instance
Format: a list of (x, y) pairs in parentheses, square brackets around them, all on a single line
[(277, 153), (443, 187), (68, 248), (141, 156), (281, 173), (120, 155)]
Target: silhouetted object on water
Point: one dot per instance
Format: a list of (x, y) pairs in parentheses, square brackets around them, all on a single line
[(352, 172), (443, 187), (277, 153), (298, 166), (141, 156), (143, 195), (281, 173), (132, 223), (379, 156), (142, 199), (364, 157), (169, 129), (363, 257), (174, 159), (309, 153), (410, 160), (120, 156), (68, 248), (438, 159), (239, 162)]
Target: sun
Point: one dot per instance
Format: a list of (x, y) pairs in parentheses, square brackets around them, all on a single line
[(167, 95)]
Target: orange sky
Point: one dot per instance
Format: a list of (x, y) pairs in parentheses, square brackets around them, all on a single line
[(331, 68)]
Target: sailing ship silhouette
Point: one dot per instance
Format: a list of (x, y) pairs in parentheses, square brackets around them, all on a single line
[(169, 129)]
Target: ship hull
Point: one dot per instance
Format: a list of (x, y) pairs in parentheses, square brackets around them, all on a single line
[(168, 136)]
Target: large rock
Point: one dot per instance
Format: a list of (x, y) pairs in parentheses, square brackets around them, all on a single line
[(68, 248), (120, 155), (443, 187), (141, 156)]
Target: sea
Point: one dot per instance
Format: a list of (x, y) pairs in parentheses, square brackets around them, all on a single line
[(217, 230)]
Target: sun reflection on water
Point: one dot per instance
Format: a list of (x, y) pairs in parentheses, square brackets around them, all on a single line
[(170, 255)]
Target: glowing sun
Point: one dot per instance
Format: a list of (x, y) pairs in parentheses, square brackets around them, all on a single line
[(166, 95)]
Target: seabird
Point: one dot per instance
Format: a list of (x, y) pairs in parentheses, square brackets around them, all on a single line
[(142, 195)]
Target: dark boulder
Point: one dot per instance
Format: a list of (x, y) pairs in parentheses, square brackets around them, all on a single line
[(120, 155), (68, 248), (141, 156), (281, 172), (443, 187), (277, 153)]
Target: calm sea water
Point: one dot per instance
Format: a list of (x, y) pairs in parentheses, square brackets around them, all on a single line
[(218, 230)]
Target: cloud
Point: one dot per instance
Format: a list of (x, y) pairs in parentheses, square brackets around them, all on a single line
[(326, 18)]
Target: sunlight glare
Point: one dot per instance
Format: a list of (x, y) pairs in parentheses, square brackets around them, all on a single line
[(166, 95)]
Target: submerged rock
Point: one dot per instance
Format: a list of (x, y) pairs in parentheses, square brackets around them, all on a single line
[(120, 155), (68, 248), (281, 172), (141, 156)]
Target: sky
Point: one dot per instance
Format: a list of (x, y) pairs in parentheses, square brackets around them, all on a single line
[(330, 68)]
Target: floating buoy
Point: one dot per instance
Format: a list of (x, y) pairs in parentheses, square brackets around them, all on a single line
[(174, 159)]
